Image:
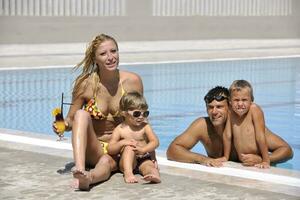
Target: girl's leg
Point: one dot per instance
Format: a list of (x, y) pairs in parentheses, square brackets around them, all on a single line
[(127, 163), (149, 171)]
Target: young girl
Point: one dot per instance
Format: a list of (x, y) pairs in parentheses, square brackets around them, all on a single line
[(134, 139)]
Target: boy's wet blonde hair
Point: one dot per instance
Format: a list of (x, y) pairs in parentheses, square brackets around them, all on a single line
[(89, 68), (238, 85), (132, 101)]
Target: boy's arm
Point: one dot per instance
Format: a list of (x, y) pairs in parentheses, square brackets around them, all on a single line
[(259, 126), (227, 138)]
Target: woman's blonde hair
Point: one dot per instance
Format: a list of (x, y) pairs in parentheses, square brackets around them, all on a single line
[(89, 67)]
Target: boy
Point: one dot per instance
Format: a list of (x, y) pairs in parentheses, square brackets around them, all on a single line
[(134, 138), (246, 124)]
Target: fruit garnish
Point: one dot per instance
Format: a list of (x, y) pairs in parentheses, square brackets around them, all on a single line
[(56, 111)]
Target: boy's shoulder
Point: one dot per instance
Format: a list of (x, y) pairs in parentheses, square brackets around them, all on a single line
[(256, 111), (255, 107)]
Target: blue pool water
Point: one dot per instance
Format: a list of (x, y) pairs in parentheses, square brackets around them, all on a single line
[(174, 92)]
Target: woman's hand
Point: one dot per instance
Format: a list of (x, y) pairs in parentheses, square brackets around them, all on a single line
[(60, 126)]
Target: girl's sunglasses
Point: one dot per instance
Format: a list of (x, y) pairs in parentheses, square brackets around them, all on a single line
[(137, 113)]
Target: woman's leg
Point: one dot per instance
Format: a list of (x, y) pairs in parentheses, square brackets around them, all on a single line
[(103, 169), (127, 163), (85, 147)]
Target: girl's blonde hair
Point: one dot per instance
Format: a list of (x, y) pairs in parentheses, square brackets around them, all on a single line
[(89, 67), (133, 100)]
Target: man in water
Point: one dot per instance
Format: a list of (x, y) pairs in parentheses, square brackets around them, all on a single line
[(209, 131)]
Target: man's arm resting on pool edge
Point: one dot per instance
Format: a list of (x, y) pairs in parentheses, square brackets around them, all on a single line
[(179, 149), (280, 151)]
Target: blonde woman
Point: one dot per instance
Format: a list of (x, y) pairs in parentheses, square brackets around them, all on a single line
[(94, 112)]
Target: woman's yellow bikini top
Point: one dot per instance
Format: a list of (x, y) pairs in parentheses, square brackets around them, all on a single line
[(94, 110)]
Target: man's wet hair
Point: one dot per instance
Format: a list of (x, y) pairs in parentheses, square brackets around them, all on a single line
[(218, 93)]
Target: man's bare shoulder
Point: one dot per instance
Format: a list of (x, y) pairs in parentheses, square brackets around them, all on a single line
[(198, 127), (200, 122)]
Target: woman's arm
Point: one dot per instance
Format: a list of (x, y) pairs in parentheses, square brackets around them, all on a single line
[(76, 104)]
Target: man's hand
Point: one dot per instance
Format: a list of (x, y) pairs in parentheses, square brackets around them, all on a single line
[(210, 162), (221, 159), (250, 159), (263, 165)]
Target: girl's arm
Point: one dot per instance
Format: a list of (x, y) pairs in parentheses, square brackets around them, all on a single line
[(114, 145), (116, 142), (153, 141), (259, 126)]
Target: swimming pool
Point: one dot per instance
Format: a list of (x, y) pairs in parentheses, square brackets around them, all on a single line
[(174, 92)]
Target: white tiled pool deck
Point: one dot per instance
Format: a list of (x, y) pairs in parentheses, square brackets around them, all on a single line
[(37, 166)]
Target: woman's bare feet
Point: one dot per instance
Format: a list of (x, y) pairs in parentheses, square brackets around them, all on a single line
[(83, 179)]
